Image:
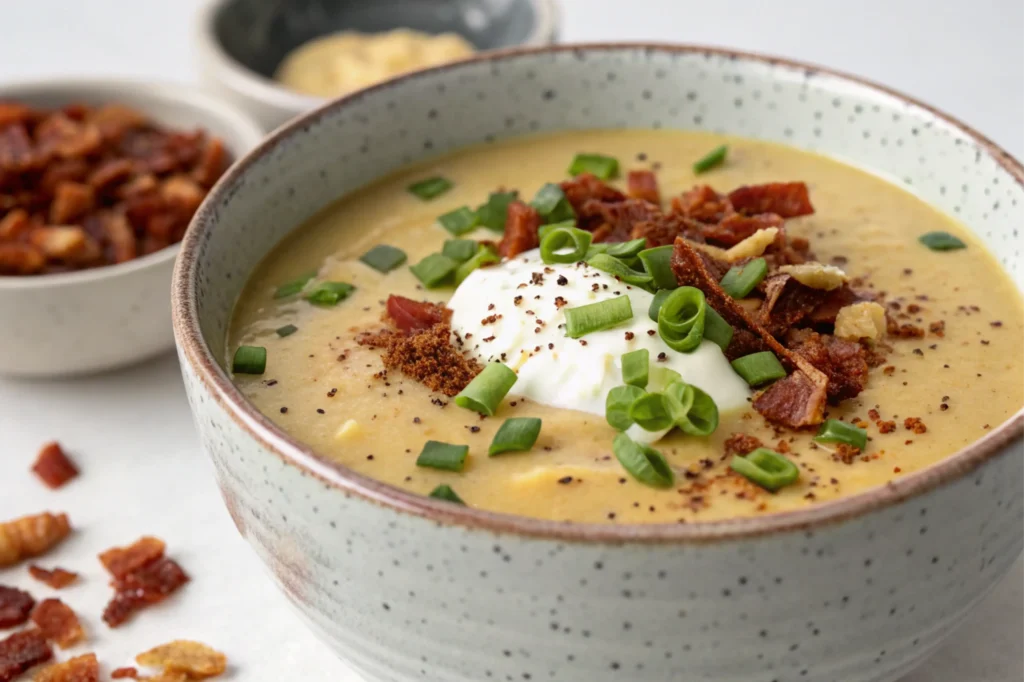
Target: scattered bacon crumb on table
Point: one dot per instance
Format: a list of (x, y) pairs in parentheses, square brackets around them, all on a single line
[(57, 578), (21, 651), (15, 606), (83, 668), (53, 467), (58, 623), (142, 576), (194, 659), (126, 672)]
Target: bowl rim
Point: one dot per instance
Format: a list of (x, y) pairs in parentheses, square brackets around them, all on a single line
[(257, 86), (194, 351), (156, 92)]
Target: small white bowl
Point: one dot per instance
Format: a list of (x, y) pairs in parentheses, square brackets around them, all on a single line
[(103, 318)]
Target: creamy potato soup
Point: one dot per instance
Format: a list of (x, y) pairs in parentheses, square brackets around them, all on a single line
[(841, 333)]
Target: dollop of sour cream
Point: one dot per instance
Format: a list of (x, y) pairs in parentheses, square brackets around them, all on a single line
[(514, 313)]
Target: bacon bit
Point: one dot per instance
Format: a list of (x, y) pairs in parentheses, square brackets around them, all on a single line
[(560, 302), (741, 444), (58, 623), (662, 230), (787, 302), (782, 447), (20, 259), (734, 228), (786, 199), (846, 454), (31, 536), (914, 424), (629, 336), (412, 316), (874, 415), (195, 660), (842, 361), (618, 220), (57, 579), (53, 467), (126, 672), (15, 606), (522, 224), (886, 427), (22, 651), (938, 328), (120, 561), (903, 331), (79, 669), (586, 187), (889, 370), (643, 184), (427, 356), (703, 204), (148, 585)]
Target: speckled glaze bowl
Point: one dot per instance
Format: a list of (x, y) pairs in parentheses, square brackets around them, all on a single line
[(408, 588)]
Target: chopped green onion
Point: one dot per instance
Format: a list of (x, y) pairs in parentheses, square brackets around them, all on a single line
[(615, 267), (295, 286), (435, 270), (636, 367), (759, 368), (741, 280), (485, 255), (445, 492), (835, 431), (555, 241), (626, 249), (460, 221), (515, 435), (552, 205), (617, 404), (249, 360), (716, 329), (644, 463), (329, 293), (662, 377), (766, 468), (459, 250), (493, 214), (713, 158), (595, 317), (286, 330), (681, 319), (383, 258), (431, 187), (700, 416), (438, 455), (653, 412), (545, 230), (604, 167), (658, 263), (941, 241), (487, 389), (657, 302)]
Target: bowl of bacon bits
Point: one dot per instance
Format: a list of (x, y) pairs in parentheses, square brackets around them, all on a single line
[(98, 183)]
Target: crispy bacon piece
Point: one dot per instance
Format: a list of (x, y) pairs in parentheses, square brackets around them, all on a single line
[(17, 154), (65, 243), (733, 229), (521, 228), (15, 606), (410, 316), (703, 204), (31, 536), (58, 171), (786, 199), (194, 659), (58, 578), (843, 362), (662, 230), (14, 224), (71, 200), (741, 444), (143, 587), (619, 217), (212, 163), (120, 561), (117, 235), (58, 623), (109, 174), (15, 112), (53, 467), (643, 184), (834, 301), (586, 187), (59, 136), (126, 672), (114, 120), (787, 302), (796, 401), (22, 651), (83, 668), (20, 259)]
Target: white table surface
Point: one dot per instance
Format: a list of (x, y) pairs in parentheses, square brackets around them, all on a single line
[(143, 471)]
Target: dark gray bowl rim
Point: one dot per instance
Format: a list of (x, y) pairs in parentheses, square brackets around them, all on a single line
[(196, 353)]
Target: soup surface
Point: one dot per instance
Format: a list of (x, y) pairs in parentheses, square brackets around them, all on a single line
[(929, 397)]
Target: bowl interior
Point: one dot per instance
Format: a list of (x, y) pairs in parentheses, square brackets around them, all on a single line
[(259, 33)]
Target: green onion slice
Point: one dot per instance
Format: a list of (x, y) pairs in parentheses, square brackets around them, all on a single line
[(515, 435), (435, 270), (941, 241), (766, 468), (493, 214), (658, 263), (636, 366), (662, 377), (485, 255), (438, 455), (545, 230), (657, 302), (329, 293), (487, 389), (604, 167), (383, 258), (460, 221), (598, 316), (286, 330), (431, 187), (249, 360), (628, 249), (716, 329), (459, 250), (617, 404), (295, 286), (615, 267), (554, 243), (653, 412), (700, 416), (713, 158), (681, 319), (644, 463), (552, 205), (759, 368), (835, 431), (445, 492), (741, 280)]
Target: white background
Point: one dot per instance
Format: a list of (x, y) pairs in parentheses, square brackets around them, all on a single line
[(131, 431)]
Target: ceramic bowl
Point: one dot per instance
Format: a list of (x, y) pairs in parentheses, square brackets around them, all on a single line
[(404, 587), (240, 43), (103, 318)]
